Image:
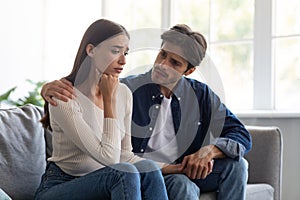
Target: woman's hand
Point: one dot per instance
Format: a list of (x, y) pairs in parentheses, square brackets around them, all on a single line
[(108, 85)]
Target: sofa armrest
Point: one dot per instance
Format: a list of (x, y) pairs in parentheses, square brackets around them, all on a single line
[(265, 158), (22, 151)]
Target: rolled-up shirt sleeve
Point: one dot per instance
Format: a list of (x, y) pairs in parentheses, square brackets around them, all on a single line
[(230, 147)]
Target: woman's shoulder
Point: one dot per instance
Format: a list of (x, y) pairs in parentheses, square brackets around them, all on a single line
[(123, 89), (67, 105), (64, 105)]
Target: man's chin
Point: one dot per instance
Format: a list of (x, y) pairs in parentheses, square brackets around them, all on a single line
[(157, 80)]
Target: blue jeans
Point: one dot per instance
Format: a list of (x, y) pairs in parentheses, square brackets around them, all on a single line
[(228, 179), (120, 181)]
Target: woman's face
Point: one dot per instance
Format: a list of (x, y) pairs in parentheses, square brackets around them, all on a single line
[(109, 56)]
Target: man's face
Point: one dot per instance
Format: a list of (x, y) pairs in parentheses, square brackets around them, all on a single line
[(169, 65)]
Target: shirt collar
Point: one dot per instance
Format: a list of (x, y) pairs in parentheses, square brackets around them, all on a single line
[(177, 91)]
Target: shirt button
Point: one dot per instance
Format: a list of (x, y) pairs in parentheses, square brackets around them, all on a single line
[(150, 129), (199, 123), (161, 96), (157, 107), (153, 97), (178, 98), (142, 150)]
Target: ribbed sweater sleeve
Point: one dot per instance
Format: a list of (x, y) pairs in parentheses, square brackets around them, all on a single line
[(105, 149), (127, 155)]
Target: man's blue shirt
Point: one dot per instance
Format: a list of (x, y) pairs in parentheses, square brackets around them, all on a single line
[(199, 117)]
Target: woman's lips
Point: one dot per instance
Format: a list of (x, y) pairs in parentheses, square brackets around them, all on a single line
[(118, 70)]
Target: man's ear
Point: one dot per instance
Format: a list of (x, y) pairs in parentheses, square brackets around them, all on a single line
[(191, 70), (90, 50)]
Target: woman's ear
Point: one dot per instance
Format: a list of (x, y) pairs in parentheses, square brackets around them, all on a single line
[(90, 50), (189, 71)]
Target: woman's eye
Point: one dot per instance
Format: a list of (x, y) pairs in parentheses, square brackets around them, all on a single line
[(125, 53), (115, 51)]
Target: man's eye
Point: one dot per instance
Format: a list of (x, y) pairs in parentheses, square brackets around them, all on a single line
[(174, 62), (163, 54)]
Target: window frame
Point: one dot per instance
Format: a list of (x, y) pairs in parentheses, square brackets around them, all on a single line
[(263, 66)]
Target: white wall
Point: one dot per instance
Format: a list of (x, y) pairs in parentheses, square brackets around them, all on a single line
[(39, 39), (21, 42), (290, 128)]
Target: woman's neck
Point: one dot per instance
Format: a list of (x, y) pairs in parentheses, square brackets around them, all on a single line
[(92, 92), (97, 97)]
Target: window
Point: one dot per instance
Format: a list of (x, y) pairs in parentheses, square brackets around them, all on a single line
[(228, 27), (252, 55), (254, 46), (135, 16), (286, 57)]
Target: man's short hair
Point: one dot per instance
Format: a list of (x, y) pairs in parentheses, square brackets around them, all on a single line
[(193, 44)]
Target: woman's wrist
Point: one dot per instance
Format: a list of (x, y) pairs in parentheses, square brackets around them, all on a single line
[(109, 111)]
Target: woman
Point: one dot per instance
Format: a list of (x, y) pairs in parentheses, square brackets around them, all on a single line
[(92, 157)]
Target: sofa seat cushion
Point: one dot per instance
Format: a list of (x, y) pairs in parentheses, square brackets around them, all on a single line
[(254, 192), (208, 196), (22, 151), (3, 195), (259, 191)]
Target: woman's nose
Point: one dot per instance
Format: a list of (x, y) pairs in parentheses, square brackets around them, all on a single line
[(122, 59)]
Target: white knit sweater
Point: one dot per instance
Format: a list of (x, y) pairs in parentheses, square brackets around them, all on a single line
[(84, 141)]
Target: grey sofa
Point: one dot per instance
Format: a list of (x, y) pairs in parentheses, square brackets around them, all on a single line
[(265, 165), (25, 145)]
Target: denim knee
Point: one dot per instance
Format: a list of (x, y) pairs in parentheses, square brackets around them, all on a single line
[(242, 168), (146, 166), (179, 186), (238, 169), (125, 167)]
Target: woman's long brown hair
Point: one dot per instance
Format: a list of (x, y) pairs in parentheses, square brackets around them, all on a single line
[(96, 33)]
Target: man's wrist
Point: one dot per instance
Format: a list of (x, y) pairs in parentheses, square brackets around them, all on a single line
[(216, 152)]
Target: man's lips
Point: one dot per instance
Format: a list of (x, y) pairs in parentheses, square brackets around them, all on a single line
[(161, 73)]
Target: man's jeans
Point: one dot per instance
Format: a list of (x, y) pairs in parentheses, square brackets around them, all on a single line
[(229, 179), (142, 180)]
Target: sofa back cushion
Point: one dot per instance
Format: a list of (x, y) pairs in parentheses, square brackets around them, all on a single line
[(22, 151)]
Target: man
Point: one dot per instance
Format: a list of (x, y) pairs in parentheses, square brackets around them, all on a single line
[(182, 121)]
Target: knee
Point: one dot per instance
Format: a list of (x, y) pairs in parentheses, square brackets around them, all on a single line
[(147, 166), (179, 179), (126, 173), (182, 186), (239, 169), (243, 168), (125, 167)]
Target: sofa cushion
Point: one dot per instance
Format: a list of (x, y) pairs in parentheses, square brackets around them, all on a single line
[(254, 192), (3, 195), (260, 191), (22, 151)]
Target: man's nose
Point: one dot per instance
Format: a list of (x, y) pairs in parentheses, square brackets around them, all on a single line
[(164, 63)]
